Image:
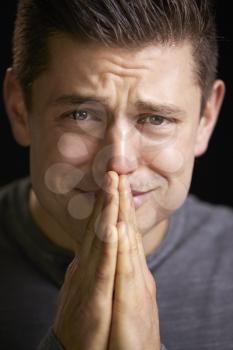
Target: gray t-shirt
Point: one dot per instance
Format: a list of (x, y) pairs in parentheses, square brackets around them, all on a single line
[(193, 269)]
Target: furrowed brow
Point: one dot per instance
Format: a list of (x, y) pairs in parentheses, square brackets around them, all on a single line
[(163, 109), (76, 100), (169, 110)]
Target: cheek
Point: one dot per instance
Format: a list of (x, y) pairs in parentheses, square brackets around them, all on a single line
[(167, 160), (63, 162), (73, 149), (174, 156), (174, 164), (70, 148)]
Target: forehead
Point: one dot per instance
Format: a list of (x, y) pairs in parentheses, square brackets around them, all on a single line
[(166, 72), (65, 52)]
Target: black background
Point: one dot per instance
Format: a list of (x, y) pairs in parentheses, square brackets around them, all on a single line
[(213, 173)]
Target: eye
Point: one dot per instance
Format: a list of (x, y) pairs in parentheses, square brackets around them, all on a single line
[(82, 115), (79, 115), (154, 120)]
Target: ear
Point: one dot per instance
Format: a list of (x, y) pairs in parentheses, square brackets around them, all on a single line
[(209, 117), (16, 108)]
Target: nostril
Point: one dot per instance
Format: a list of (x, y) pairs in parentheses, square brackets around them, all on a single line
[(121, 164), (107, 159)]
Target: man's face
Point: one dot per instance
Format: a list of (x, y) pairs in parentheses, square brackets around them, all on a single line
[(95, 109)]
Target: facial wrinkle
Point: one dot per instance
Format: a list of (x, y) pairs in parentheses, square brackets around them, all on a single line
[(120, 91)]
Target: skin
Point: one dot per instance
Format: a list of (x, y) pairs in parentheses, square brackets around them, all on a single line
[(88, 314), (152, 151)]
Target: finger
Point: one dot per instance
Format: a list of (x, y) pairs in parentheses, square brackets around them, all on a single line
[(127, 258), (109, 214), (126, 208), (107, 218), (127, 213), (103, 252), (148, 277), (124, 267), (103, 264), (90, 232), (98, 255)]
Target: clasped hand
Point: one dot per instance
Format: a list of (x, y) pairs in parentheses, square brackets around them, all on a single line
[(108, 299)]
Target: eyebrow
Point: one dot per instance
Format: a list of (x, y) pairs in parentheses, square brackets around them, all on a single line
[(164, 109), (167, 109), (77, 99)]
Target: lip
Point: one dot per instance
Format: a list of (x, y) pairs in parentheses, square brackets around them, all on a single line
[(137, 193), (139, 198)]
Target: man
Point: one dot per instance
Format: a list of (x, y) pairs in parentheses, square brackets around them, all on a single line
[(115, 100)]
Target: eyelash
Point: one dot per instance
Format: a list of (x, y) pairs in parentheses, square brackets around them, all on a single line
[(141, 121), (161, 118), (76, 111)]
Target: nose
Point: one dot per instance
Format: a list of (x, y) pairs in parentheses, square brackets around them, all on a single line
[(120, 149)]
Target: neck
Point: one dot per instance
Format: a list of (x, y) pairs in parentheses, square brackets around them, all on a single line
[(53, 231), (152, 239)]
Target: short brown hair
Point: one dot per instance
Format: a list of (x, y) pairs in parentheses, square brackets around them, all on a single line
[(123, 23)]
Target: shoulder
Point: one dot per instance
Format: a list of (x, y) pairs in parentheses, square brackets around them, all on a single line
[(12, 197), (12, 188), (208, 229), (208, 216)]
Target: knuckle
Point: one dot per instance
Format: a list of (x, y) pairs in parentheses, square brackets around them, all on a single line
[(104, 233), (88, 233), (96, 244), (133, 250), (105, 240), (71, 268), (138, 237), (109, 198), (130, 249), (102, 275)]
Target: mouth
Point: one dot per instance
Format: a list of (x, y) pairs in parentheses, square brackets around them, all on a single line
[(138, 197)]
